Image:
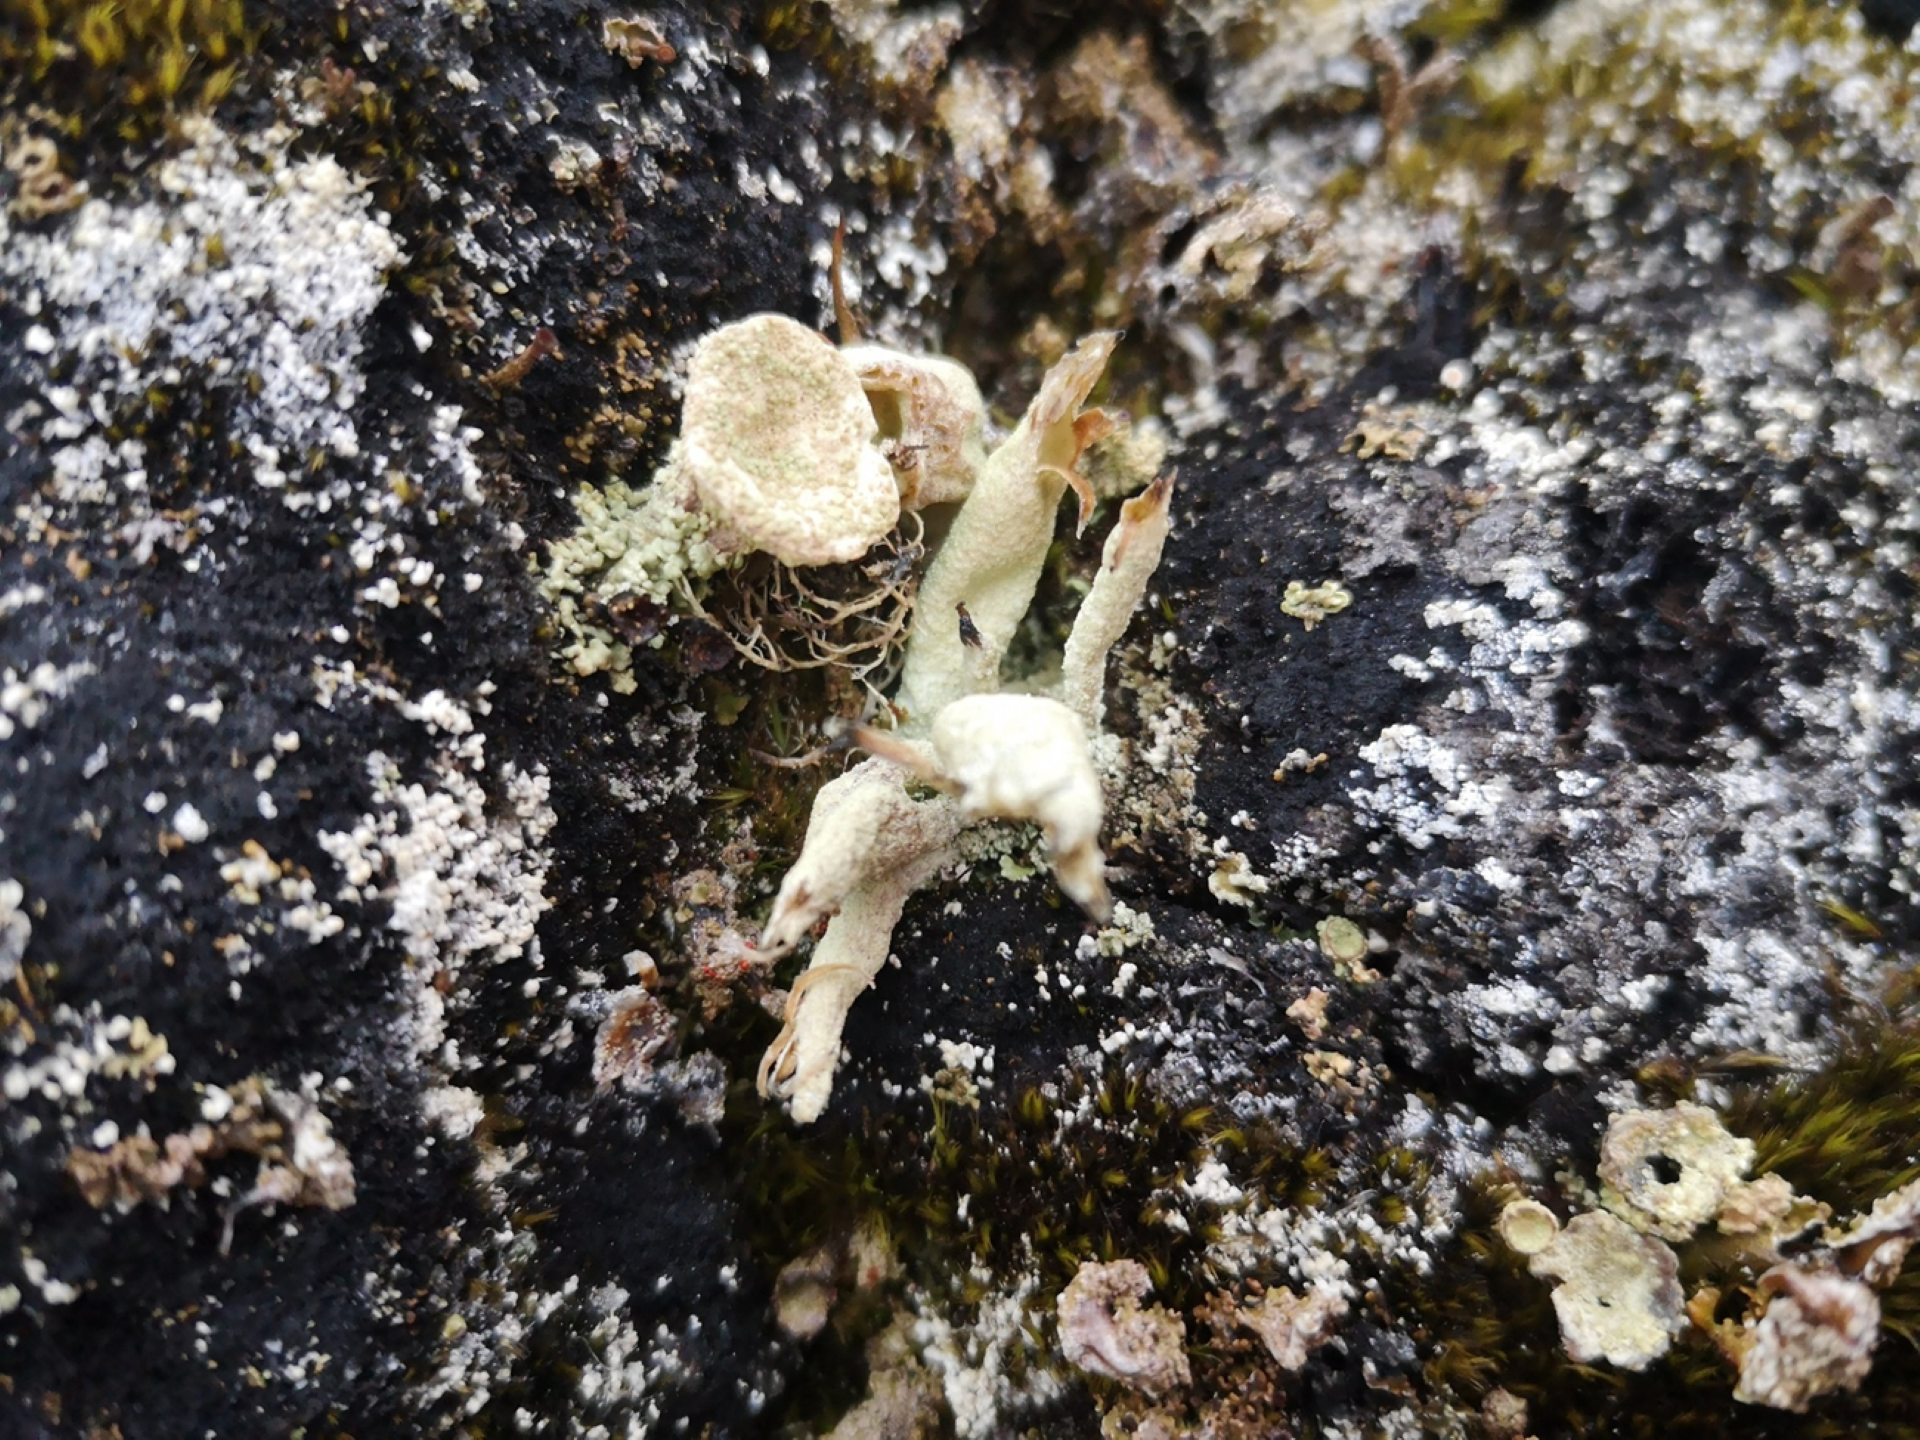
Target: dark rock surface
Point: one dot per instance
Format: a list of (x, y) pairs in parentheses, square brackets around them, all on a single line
[(1584, 366)]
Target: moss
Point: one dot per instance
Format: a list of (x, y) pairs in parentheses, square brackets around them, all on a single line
[(806, 27), (1528, 140), (1045, 1194), (123, 64), (1846, 1134), (780, 722), (1843, 1135)]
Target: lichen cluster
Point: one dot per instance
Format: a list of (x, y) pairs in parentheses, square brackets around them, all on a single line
[(1518, 820), (1828, 1145)]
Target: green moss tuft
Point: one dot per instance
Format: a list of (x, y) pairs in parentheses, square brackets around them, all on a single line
[(122, 63), (1847, 1134)]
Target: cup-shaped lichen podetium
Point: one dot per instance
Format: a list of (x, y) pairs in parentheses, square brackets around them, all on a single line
[(782, 447)]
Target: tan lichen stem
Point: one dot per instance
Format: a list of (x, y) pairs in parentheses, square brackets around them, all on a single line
[(1126, 566), (845, 321), (864, 827), (798, 1067), (992, 557)]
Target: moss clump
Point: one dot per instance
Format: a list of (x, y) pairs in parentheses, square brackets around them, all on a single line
[(1029, 1185), (123, 63), (1846, 1134), (1523, 123)]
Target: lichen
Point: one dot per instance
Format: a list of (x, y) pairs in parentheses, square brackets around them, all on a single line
[(1293, 1326), (780, 445), (1618, 1297), (1667, 1172), (1527, 1227), (792, 449), (1106, 1331), (1816, 1335), (1310, 604), (871, 842), (645, 542), (300, 1161)]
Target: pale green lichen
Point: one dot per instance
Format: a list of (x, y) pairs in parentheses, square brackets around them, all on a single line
[(788, 447), (1128, 929), (1234, 880), (781, 445), (1312, 604), (1619, 1296), (646, 542), (1666, 1172), (1527, 1227), (1346, 945), (991, 559), (1341, 941), (997, 756)]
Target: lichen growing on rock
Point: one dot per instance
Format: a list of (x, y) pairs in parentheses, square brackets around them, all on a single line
[(1817, 1334), (1668, 1172), (1000, 756), (1618, 1296), (1106, 1331), (1577, 342)]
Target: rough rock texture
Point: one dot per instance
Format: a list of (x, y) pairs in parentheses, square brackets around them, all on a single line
[(1572, 342)]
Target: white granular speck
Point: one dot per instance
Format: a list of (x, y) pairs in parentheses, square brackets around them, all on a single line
[(189, 824)]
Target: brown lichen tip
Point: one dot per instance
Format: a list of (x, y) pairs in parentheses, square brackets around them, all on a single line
[(1144, 509), (845, 321), (515, 370), (1127, 564), (1071, 379), (636, 39), (1062, 427)]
